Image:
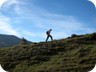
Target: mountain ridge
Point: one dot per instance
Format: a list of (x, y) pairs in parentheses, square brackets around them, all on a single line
[(9, 40)]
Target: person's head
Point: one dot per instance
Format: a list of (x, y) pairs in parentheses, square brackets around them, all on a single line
[(50, 30)]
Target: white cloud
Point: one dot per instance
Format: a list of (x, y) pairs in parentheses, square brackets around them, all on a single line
[(10, 7), (1, 2), (5, 26), (8, 3)]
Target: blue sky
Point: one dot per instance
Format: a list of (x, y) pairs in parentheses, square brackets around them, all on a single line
[(32, 18)]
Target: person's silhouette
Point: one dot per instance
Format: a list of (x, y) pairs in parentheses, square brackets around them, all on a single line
[(48, 35)]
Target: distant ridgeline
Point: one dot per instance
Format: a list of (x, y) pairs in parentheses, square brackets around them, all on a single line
[(73, 54), (9, 40)]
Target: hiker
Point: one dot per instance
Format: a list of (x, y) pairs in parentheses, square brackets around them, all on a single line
[(48, 35)]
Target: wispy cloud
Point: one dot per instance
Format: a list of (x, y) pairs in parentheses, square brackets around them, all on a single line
[(5, 26), (62, 25), (1, 2), (8, 3)]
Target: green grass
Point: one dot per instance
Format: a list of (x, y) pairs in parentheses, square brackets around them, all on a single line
[(74, 54)]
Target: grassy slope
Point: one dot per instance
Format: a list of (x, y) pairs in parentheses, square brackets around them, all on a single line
[(75, 54)]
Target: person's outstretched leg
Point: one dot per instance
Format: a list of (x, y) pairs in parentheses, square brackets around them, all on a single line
[(51, 37), (47, 38)]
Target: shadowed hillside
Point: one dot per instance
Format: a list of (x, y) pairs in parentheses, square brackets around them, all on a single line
[(73, 54), (9, 40)]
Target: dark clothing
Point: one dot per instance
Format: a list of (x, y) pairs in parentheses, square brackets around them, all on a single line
[(48, 32), (48, 35)]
